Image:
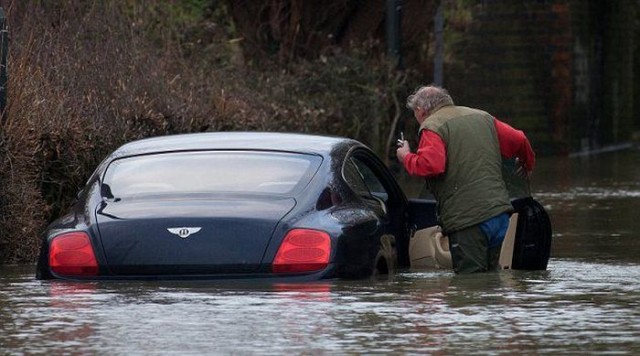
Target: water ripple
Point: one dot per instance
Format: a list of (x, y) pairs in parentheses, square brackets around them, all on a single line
[(571, 308)]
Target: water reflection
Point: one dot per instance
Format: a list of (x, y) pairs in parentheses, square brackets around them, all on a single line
[(588, 301), (593, 203), (71, 295), (571, 307)]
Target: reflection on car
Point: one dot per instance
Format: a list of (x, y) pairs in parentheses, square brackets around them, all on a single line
[(235, 205)]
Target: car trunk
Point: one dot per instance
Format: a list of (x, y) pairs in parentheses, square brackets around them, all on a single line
[(170, 237)]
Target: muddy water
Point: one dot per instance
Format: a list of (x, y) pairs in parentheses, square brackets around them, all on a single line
[(587, 302)]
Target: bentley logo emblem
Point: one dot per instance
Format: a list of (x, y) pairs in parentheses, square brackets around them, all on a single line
[(184, 232)]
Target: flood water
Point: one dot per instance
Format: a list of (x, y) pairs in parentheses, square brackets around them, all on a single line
[(587, 302)]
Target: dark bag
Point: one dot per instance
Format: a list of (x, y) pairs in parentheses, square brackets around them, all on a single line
[(532, 244)]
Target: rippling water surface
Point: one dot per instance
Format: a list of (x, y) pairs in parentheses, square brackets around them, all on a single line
[(587, 302)]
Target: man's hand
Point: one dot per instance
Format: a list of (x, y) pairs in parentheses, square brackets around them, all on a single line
[(521, 170), (403, 150)]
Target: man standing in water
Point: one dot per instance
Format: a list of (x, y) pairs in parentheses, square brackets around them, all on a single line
[(460, 156)]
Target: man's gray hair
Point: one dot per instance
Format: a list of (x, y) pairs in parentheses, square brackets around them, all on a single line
[(428, 97)]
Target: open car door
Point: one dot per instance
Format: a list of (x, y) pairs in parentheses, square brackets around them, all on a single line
[(528, 248), (428, 247)]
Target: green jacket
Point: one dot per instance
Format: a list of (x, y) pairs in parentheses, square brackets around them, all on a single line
[(471, 190)]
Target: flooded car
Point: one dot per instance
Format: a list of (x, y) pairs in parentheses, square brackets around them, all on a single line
[(235, 205)]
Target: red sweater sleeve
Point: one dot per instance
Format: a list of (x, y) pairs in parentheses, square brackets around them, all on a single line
[(431, 157), (514, 143)]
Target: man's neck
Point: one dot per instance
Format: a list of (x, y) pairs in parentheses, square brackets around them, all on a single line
[(436, 108)]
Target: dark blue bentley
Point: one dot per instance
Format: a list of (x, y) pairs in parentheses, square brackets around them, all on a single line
[(235, 205)]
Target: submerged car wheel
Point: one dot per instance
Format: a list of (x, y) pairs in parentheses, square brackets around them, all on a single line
[(382, 265), (385, 262)]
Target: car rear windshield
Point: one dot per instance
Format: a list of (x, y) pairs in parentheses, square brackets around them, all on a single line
[(210, 172)]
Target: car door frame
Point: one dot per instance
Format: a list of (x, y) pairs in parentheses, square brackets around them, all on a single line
[(396, 203)]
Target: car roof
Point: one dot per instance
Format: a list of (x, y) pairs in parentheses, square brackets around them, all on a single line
[(278, 141)]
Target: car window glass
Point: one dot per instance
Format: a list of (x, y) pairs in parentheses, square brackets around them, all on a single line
[(373, 183), (210, 172), (370, 179), (364, 182), (354, 178)]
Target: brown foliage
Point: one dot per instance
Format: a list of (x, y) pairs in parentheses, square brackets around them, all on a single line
[(85, 77), (290, 29)]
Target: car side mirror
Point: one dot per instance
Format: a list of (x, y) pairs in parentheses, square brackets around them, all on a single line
[(105, 192)]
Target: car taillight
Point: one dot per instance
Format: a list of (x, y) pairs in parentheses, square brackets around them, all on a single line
[(303, 250), (71, 254)]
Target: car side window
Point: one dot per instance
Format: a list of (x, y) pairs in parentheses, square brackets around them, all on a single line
[(362, 179), (372, 182), (355, 179)]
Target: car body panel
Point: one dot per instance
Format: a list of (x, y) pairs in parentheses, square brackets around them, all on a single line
[(350, 195), (225, 236)]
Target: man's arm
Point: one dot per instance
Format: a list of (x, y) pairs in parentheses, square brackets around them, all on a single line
[(514, 143), (429, 160)]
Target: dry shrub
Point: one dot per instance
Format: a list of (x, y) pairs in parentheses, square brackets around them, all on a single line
[(87, 76), (347, 94), (83, 79)]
